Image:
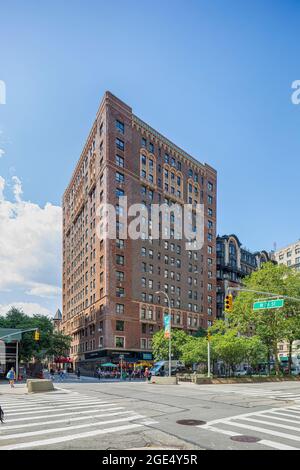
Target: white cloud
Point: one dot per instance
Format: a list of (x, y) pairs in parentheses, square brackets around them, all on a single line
[(17, 188), (30, 245), (44, 290), (2, 152), (29, 308), (2, 186)]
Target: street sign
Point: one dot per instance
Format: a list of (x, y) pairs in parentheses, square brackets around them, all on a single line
[(268, 304)]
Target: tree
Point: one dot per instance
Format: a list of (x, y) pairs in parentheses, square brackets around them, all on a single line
[(269, 325), (59, 345), (291, 334), (29, 348), (160, 344), (229, 348), (194, 350), (256, 351)]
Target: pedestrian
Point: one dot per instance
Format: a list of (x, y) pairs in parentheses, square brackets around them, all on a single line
[(11, 376), (147, 374), (52, 373), (78, 373), (1, 415), (61, 375), (99, 373)]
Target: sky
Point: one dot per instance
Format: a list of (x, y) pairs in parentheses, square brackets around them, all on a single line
[(213, 77)]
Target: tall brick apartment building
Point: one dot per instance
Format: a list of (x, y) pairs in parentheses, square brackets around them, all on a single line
[(110, 305)]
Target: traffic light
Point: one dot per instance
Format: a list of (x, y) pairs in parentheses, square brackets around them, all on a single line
[(228, 303), (208, 336), (36, 335)]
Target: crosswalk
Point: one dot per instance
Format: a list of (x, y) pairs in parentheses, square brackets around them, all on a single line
[(39, 421), (278, 428), (263, 393)]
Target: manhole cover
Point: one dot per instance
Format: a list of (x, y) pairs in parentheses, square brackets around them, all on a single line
[(245, 439), (191, 422)]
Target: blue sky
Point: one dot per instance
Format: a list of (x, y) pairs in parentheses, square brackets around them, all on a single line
[(214, 77)]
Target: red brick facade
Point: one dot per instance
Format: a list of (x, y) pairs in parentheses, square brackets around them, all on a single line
[(150, 167)]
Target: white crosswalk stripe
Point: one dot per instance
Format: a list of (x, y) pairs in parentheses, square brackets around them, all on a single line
[(259, 393), (280, 425), (34, 421)]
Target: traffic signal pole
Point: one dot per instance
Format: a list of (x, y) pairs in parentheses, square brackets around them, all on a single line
[(208, 358)]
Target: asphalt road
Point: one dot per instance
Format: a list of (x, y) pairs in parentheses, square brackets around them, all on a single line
[(112, 415)]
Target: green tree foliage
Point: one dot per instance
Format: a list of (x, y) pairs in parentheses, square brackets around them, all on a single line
[(160, 344), (271, 326), (50, 342), (194, 350)]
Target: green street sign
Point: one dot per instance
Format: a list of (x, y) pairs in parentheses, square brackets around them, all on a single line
[(268, 304)]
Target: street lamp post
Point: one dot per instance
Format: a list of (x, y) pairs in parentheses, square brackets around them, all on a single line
[(170, 323)]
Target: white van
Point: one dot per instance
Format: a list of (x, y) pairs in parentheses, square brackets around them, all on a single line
[(162, 367)]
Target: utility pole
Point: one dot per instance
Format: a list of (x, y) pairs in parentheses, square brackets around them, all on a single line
[(121, 358), (208, 338), (170, 328), (17, 361)]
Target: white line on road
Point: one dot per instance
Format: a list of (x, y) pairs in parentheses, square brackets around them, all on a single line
[(221, 431), (40, 406), (275, 425), (63, 414), (68, 428), (53, 409), (56, 440), (276, 445), (262, 430), (66, 420)]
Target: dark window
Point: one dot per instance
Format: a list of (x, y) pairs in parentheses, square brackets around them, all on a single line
[(120, 161), (120, 126), (120, 144), (119, 325)]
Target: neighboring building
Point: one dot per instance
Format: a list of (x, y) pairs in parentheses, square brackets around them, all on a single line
[(234, 263), (289, 255), (109, 301), (57, 320)]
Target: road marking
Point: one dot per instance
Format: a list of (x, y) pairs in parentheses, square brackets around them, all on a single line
[(262, 430), (277, 425), (68, 428), (56, 440), (42, 405), (67, 420), (276, 445), (148, 422), (62, 414), (221, 431), (53, 409)]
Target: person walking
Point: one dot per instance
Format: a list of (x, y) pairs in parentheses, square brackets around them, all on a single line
[(147, 374), (1, 416), (99, 373), (11, 376), (78, 373), (52, 373)]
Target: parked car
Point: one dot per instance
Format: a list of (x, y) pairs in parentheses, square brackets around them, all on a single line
[(243, 372)]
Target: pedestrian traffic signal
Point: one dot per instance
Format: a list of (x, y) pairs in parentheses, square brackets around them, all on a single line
[(208, 336), (36, 335), (228, 303)]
